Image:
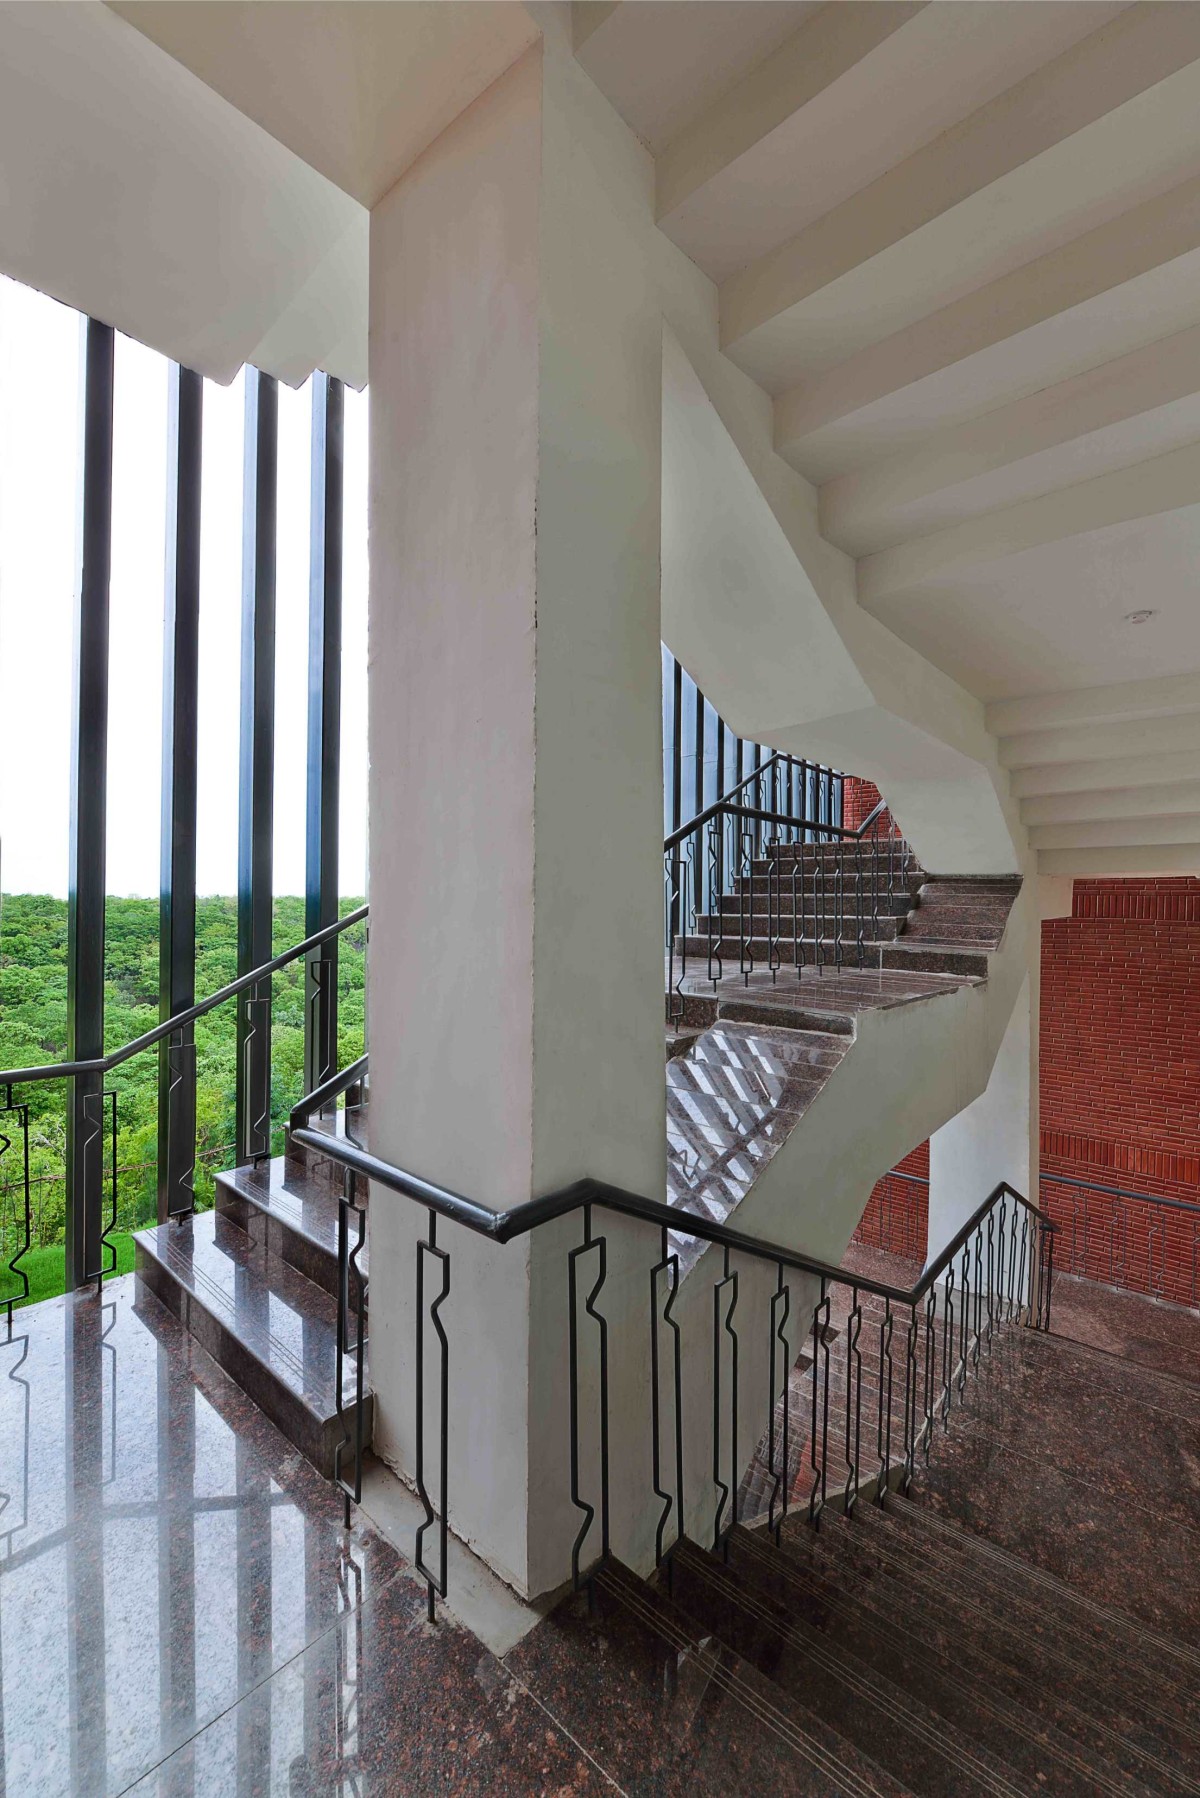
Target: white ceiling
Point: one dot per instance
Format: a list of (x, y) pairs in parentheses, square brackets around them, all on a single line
[(959, 244), (357, 90)]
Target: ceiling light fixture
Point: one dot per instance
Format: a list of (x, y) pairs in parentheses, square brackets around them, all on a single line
[(1139, 617)]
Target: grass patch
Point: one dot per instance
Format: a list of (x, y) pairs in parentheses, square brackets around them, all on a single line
[(47, 1268)]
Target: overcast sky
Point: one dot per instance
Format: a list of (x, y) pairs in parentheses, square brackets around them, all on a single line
[(39, 417)]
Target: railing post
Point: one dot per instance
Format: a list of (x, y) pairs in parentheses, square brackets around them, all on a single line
[(89, 781), (324, 728), (177, 884), (257, 761)]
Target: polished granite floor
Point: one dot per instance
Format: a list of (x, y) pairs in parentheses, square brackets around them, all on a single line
[(181, 1614), (1127, 1324)]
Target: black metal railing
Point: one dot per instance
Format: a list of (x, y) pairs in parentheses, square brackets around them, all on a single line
[(879, 1358), (96, 1103), (756, 887), (1139, 1241)]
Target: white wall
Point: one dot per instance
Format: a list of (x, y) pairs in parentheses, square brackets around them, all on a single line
[(516, 807)]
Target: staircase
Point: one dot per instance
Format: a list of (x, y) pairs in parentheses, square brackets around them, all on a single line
[(255, 1282), (902, 1651), (753, 1043)]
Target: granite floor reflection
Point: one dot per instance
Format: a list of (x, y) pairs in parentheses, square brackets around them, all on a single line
[(181, 1612)]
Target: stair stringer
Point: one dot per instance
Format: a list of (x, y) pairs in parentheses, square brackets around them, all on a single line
[(911, 1067)]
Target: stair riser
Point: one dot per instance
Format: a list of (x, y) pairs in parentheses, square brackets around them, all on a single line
[(274, 1234), (875, 930), (698, 948), (314, 1439), (935, 961)]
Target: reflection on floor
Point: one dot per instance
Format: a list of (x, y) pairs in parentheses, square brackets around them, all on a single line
[(182, 1615), (1148, 1331)]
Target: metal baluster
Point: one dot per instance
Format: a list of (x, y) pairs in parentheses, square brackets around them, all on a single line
[(600, 1244), (839, 891), (930, 1366), (964, 1268), (947, 1345), (885, 1401), (728, 1281), (668, 1264), (910, 1400), (178, 1176), (819, 1456), (21, 1113), (853, 1400), (435, 1582), (781, 1302), (978, 1240), (716, 918), (860, 934), (352, 1320)]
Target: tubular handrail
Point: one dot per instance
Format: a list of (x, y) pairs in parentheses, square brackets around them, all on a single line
[(1119, 1192), (519, 1220), (62, 1070), (723, 807), (332, 1088)]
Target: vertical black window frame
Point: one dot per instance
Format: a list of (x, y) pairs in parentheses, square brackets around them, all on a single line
[(88, 814), (324, 725), (256, 761), (181, 713)]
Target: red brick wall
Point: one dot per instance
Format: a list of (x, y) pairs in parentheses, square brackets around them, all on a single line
[(859, 799), (897, 1213), (1120, 1080), (1120, 1089)]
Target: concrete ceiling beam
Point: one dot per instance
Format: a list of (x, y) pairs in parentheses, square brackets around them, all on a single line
[(1166, 799), (1083, 864), (811, 62), (1178, 735), (1158, 698), (1132, 771), (946, 477), (1118, 833), (1164, 483), (1130, 55), (1146, 238)]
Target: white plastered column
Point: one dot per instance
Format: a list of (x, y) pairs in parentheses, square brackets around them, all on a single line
[(515, 980)]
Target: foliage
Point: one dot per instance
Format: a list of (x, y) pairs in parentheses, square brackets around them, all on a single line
[(33, 1031)]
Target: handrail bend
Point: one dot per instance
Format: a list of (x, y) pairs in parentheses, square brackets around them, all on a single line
[(519, 1220)]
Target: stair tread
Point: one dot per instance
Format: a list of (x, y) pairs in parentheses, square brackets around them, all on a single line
[(667, 1710), (880, 1559), (288, 1323), (285, 1189), (892, 1726), (996, 1684)]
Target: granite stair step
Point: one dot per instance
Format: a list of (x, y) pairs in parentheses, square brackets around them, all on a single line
[(930, 960), (291, 1211), (1156, 1665), (1056, 1734), (272, 1330), (781, 928), (1110, 1662), (1087, 1690), (665, 1709), (890, 1724), (780, 949)]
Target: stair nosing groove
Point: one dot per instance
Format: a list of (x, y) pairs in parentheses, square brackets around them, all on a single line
[(841, 1603), (911, 1566), (818, 1757), (866, 1686), (1108, 1613)]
